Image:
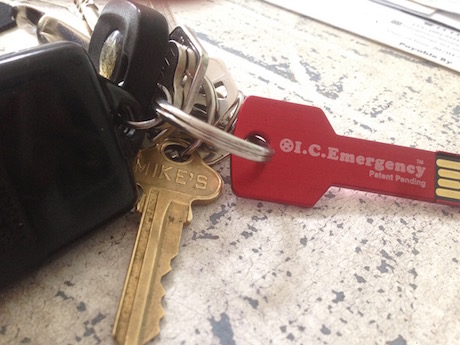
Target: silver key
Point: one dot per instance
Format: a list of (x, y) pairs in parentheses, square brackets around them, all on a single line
[(199, 86), (197, 63), (52, 22), (181, 79), (89, 12), (226, 89), (173, 73), (217, 101), (229, 99)]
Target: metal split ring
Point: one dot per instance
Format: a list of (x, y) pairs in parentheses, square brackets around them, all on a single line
[(212, 135), (211, 96), (202, 131)]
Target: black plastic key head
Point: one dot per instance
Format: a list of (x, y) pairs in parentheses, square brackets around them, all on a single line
[(64, 167), (128, 46)]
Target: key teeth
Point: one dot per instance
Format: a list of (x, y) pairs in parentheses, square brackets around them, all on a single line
[(160, 312), (156, 327), (153, 329)]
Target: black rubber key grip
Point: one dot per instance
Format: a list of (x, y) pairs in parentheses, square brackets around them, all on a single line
[(144, 43)]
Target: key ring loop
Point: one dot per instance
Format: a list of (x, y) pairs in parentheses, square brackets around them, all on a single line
[(212, 135), (211, 96)]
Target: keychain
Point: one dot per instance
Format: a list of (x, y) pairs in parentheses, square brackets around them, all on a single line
[(282, 152)]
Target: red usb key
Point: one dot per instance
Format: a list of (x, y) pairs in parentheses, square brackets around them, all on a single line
[(309, 158)]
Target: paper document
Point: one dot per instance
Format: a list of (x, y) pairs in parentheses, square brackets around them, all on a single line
[(399, 29), (450, 19), (443, 5)]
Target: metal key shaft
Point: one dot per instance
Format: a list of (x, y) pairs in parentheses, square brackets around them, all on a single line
[(169, 189)]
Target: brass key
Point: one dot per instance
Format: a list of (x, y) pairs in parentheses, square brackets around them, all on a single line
[(169, 189)]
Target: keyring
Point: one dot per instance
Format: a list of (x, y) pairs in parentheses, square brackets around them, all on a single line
[(212, 135), (211, 109)]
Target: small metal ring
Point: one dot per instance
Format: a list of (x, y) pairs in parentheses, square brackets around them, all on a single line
[(150, 123), (147, 124), (211, 97), (228, 120), (212, 135)]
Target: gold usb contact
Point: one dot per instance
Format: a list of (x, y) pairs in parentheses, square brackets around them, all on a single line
[(447, 177)]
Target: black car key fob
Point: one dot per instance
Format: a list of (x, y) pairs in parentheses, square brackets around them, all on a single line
[(65, 167), (128, 46)]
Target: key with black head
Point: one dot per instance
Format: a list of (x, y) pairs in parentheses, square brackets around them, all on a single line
[(65, 163), (128, 45), (190, 68)]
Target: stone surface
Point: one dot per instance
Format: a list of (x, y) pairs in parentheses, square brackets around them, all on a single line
[(357, 268)]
